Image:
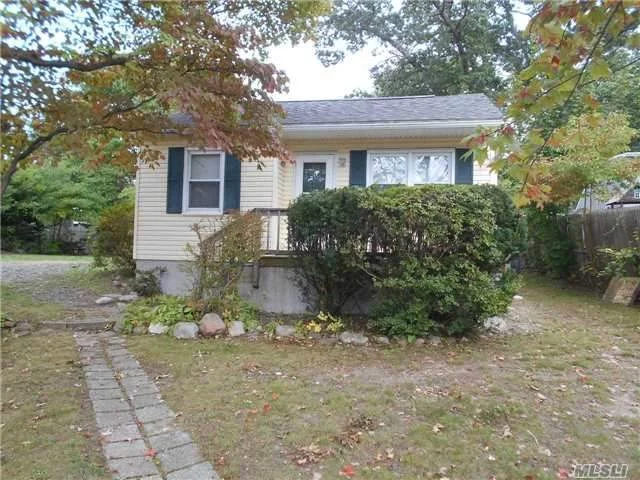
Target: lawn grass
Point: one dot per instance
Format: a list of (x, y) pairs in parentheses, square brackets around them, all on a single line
[(33, 257), (21, 306), (91, 280), (54, 297), (48, 431), (492, 407)]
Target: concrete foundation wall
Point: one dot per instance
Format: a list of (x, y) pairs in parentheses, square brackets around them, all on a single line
[(278, 290)]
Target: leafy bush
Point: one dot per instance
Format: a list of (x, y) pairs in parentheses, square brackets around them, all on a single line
[(165, 309), (433, 297), (222, 251), (322, 323), (623, 262), (550, 249), (233, 307), (328, 234), (113, 238), (147, 282), (431, 253)]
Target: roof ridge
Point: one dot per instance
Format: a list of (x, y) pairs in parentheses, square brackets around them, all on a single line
[(380, 98)]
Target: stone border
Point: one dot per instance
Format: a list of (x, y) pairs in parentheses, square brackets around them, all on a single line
[(140, 439)]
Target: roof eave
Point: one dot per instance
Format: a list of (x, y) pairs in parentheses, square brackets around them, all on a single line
[(391, 129)]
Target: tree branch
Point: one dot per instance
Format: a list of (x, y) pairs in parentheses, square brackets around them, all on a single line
[(587, 61), (32, 147), (35, 59)]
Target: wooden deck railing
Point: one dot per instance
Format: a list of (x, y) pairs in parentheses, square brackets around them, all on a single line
[(275, 235)]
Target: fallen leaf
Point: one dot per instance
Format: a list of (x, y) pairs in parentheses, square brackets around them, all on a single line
[(506, 432), (266, 408), (348, 471), (437, 428), (151, 453)]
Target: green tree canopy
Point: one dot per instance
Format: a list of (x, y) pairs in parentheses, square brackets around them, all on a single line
[(69, 190), (436, 47)]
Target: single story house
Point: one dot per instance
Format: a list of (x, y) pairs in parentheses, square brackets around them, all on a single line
[(335, 143)]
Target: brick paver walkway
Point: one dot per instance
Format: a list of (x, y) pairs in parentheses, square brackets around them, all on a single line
[(140, 437)]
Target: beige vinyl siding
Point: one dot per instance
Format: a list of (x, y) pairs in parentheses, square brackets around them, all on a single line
[(163, 236), (483, 174)]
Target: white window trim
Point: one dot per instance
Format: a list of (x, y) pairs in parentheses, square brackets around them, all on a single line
[(411, 153), (187, 178), (329, 158)]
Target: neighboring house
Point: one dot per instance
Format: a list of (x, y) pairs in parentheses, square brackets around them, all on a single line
[(611, 194), (335, 143)]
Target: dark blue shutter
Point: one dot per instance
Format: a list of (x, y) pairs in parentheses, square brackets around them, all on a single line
[(175, 177), (358, 168), (231, 183), (464, 167)]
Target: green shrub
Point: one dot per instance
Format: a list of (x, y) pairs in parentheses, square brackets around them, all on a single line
[(147, 282), (431, 253), (443, 298), (622, 262), (113, 238), (328, 235), (165, 309), (550, 249)]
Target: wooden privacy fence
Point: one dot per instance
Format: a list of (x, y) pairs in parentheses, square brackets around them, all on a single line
[(612, 228)]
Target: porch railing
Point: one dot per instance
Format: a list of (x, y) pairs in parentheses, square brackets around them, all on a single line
[(275, 237)]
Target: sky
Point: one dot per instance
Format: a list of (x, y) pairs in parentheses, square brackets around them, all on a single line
[(310, 80)]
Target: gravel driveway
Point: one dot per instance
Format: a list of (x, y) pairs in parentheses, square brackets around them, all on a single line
[(45, 281)]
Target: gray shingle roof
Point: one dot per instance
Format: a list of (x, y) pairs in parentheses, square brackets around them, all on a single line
[(391, 109)]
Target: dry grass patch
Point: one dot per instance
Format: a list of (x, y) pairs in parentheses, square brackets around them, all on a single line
[(503, 407), (48, 430)]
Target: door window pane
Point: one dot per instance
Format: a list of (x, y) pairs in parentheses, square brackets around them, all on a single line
[(314, 176), (204, 195), (205, 167), (389, 169)]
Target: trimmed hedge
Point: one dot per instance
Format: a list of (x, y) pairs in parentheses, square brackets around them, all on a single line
[(431, 253)]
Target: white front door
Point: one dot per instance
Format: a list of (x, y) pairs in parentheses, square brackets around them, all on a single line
[(314, 172)]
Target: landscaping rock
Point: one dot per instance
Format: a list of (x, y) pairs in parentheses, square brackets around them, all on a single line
[(352, 338), (185, 330), (158, 329), (121, 306), (118, 325), (496, 324), (105, 300), (381, 340), (518, 297), (211, 324), (285, 331), (332, 340), (128, 298), (400, 341), (236, 329), (419, 342), (435, 341), (22, 329), (7, 323)]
